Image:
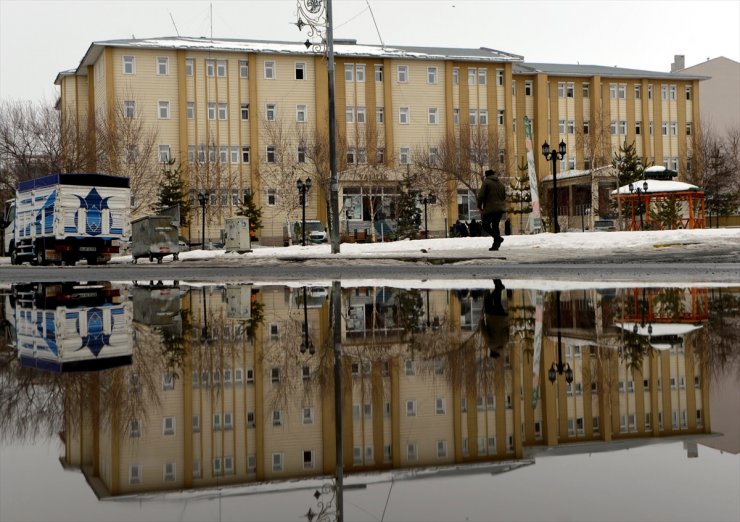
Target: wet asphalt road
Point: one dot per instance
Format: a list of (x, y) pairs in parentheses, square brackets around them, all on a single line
[(678, 264)]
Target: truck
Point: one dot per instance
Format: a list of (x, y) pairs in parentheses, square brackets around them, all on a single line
[(71, 326), (65, 218), (315, 232)]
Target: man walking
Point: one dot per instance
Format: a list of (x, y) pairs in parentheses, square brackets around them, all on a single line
[(491, 202)]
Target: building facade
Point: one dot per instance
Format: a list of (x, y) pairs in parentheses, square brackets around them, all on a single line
[(241, 115)]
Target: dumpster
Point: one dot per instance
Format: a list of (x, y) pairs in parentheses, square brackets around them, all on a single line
[(154, 237)]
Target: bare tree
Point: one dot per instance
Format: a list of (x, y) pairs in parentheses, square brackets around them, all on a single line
[(595, 140)]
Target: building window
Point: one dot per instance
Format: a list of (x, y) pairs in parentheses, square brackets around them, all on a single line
[(277, 417), (571, 127), (190, 110), (307, 415), (222, 111), (134, 429), (163, 65), (234, 156), (612, 91), (223, 157), (129, 65), (431, 75), (300, 113), (441, 448), (622, 127), (168, 471), (349, 114), (403, 73), (674, 128), (191, 160), (380, 156), (243, 69), (270, 111), (379, 115), (664, 128), (129, 109), (307, 459), (349, 72), (482, 76), (403, 157), (527, 87), (269, 70), (300, 71), (440, 406), (163, 110), (360, 114), (500, 117), (403, 115), (378, 73), (561, 126), (638, 127), (622, 91), (455, 76), (688, 128), (168, 381), (613, 127), (245, 111), (456, 116), (271, 158), (275, 375), (432, 116), (483, 117), (638, 92), (663, 92), (471, 75), (360, 73), (277, 462), (189, 65), (301, 154), (211, 110), (569, 90), (411, 408), (672, 90), (134, 474), (168, 426), (650, 91), (164, 153), (245, 153), (350, 155), (499, 77), (688, 92), (210, 68), (411, 451), (221, 68)]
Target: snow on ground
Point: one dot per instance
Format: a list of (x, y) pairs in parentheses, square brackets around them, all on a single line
[(604, 241)]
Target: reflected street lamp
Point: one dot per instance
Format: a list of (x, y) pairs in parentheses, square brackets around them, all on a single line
[(554, 155), (430, 198), (203, 200), (559, 368), (306, 343), (303, 188), (639, 191)]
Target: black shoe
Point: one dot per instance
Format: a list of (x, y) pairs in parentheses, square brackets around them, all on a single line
[(494, 247)]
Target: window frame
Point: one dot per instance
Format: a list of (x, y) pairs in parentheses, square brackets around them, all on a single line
[(126, 61), (163, 61)]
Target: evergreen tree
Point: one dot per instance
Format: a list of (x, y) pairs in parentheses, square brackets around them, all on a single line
[(249, 209), (171, 192), (668, 213), (629, 164), (521, 194), (409, 215)]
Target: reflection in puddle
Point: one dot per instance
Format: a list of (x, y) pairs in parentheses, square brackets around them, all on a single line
[(168, 386)]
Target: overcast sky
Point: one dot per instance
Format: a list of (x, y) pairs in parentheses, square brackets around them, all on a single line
[(39, 38)]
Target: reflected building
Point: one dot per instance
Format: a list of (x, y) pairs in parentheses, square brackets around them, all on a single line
[(235, 399)]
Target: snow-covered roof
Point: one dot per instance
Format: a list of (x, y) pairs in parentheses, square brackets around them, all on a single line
[(561, 69), (659, 329), (342, 47), (659, 185)]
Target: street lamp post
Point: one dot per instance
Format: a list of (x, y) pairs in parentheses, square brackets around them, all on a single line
[(559, 368), (203, 200), (303, 188), (426, 200), (554, 155), (639, 191)]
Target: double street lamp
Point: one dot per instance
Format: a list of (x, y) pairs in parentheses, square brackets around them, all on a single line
[(303, 188), (426, 200), (554, 155), (637, 190), (203, 200)]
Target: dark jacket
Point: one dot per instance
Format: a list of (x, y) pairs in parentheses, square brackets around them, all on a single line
[(492, 195)]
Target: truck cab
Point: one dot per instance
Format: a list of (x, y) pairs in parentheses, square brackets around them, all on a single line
[(7, 225)]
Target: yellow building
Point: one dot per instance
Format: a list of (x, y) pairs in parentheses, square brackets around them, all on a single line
[(241, 404), (252, 115)]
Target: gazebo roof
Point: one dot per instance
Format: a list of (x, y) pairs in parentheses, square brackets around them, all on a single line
[(657, 186)]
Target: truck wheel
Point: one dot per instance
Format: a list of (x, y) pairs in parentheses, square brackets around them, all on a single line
[(134, 260), (159, 260), (14, 257), (92, 260), (41, 258)]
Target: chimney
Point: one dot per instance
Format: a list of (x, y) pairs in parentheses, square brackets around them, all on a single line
[(679, 62)]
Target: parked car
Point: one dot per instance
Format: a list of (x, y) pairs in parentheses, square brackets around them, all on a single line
[(605, 225)]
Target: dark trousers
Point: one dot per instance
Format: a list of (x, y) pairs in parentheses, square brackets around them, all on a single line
[(491, 221)]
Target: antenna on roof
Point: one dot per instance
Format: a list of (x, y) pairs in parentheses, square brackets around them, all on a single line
[(376, 24), (211, 4), (173, 23)]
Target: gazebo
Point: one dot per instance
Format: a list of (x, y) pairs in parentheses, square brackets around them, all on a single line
[(654, 190)]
